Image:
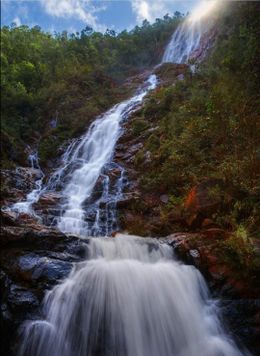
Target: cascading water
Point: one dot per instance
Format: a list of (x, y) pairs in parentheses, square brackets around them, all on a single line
[(91, 155), (33, 196), (185, 40), (130, 297)]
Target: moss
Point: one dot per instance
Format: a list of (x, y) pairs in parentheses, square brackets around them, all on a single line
[(139, 158), (238, 250), (153, 142), (138, 126)]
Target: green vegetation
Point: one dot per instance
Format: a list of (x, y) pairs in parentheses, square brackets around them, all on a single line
[(238, 249), (69, 79), (206, 124)]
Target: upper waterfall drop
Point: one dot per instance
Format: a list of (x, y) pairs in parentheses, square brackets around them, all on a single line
[(187, 38)]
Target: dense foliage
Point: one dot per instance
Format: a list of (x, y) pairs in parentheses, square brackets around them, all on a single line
[(206, 124), (53, 86)]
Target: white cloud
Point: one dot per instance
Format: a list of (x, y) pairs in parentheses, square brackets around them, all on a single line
[(149, 9), (83, 10), (17, 21)]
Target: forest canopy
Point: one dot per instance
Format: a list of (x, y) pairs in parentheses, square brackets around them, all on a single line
[(70, 78)]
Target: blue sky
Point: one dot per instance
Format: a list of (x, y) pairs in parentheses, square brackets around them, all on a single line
[(74, 15)]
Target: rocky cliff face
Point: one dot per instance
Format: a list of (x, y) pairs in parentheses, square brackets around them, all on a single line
[(33, 258)]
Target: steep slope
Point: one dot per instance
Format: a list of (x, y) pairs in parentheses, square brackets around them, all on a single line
[(171, 144)]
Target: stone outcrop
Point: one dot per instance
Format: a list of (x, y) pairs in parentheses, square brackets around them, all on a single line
[(16, 184), (169, 73), (237, 289), (32, 260)]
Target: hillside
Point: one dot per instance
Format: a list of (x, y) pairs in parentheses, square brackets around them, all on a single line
[(54, 86), (102, 139)]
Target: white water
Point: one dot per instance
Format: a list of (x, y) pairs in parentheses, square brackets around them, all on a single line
[(31, 198), (185, 40), (130, 297), (93, 152), (85, 159)]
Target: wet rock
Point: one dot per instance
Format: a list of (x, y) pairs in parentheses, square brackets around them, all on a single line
[(47, 200), (32, 260), (243, 319), (194, 253), (128, 199), (23, 178), (207, 41), (46, 238), (28, 220), (21, 299), (129, 153), (147, 157), (164, 198), (16, 184), (43, 268), (8, 218)]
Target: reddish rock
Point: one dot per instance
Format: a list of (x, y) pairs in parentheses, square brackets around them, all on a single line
[(48, 199), (206, 42), (215, 233), (151, 200), (8, 217), (127, 200), (203, 201), (207, 223), (212, 261), (24, 218)]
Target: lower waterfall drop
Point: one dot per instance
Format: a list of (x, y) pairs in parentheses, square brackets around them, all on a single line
[(131, 298)]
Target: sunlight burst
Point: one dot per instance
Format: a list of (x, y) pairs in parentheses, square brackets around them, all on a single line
[(202, 10)]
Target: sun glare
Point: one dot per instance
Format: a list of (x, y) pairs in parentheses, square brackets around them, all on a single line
[(202, 10)]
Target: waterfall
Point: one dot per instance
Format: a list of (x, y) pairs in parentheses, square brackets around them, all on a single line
[(87, 159), (93, 152), (31, 198), (185, 40), (130, 297)]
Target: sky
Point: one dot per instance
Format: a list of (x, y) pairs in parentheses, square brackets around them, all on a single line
[(74, 15)]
